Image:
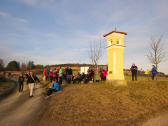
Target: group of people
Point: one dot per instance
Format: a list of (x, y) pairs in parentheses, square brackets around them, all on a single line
[(84, 77), (134, 71), (67, 75), (31, 80), (58, 74)]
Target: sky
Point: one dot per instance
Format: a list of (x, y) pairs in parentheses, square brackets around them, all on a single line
[(60, 31)]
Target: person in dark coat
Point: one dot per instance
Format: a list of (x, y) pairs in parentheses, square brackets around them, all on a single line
[(69, 74), (134, 71), (26, 77), (20, 82)]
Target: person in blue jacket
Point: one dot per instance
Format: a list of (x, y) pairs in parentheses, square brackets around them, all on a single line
[(55, 88), (154, 72)]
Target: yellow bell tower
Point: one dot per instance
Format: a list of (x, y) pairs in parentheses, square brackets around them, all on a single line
[(115, 50)]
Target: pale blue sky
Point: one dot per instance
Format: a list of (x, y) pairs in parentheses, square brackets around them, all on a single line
[(60, 31)]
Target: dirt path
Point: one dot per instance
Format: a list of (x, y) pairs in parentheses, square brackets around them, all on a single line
[(162, 120), (19, 109)]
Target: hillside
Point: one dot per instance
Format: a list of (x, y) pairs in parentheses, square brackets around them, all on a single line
[(104, 104)]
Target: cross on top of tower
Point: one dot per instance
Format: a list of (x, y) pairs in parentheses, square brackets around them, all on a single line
[(115, 29)]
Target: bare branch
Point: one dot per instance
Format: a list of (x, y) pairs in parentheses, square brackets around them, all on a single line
[(95, 53), (156, 53)]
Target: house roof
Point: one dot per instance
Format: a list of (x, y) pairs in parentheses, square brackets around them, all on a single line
[(114, 32)]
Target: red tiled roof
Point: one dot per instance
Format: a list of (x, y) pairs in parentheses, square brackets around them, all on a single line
[(114, 32)]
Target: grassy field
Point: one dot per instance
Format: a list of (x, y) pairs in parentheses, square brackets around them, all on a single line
[(145, 78), (104, 104)]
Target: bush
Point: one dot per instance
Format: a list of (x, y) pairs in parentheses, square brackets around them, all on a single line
[(3, 79)]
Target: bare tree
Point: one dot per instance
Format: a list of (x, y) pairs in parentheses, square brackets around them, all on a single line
[(95, 52), (156, 53)]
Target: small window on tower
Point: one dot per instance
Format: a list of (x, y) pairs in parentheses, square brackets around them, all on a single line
[(118, 41)]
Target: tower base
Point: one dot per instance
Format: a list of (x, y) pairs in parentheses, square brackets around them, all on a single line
[(117, 82)]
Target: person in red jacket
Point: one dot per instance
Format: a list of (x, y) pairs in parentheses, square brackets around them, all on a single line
[(51, 75), (55, 74), (105, 73), (44, 74)]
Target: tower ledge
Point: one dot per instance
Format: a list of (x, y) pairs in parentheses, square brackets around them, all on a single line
[(114, 32)]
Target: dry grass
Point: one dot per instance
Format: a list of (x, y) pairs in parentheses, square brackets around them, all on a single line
[(106, 105)]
